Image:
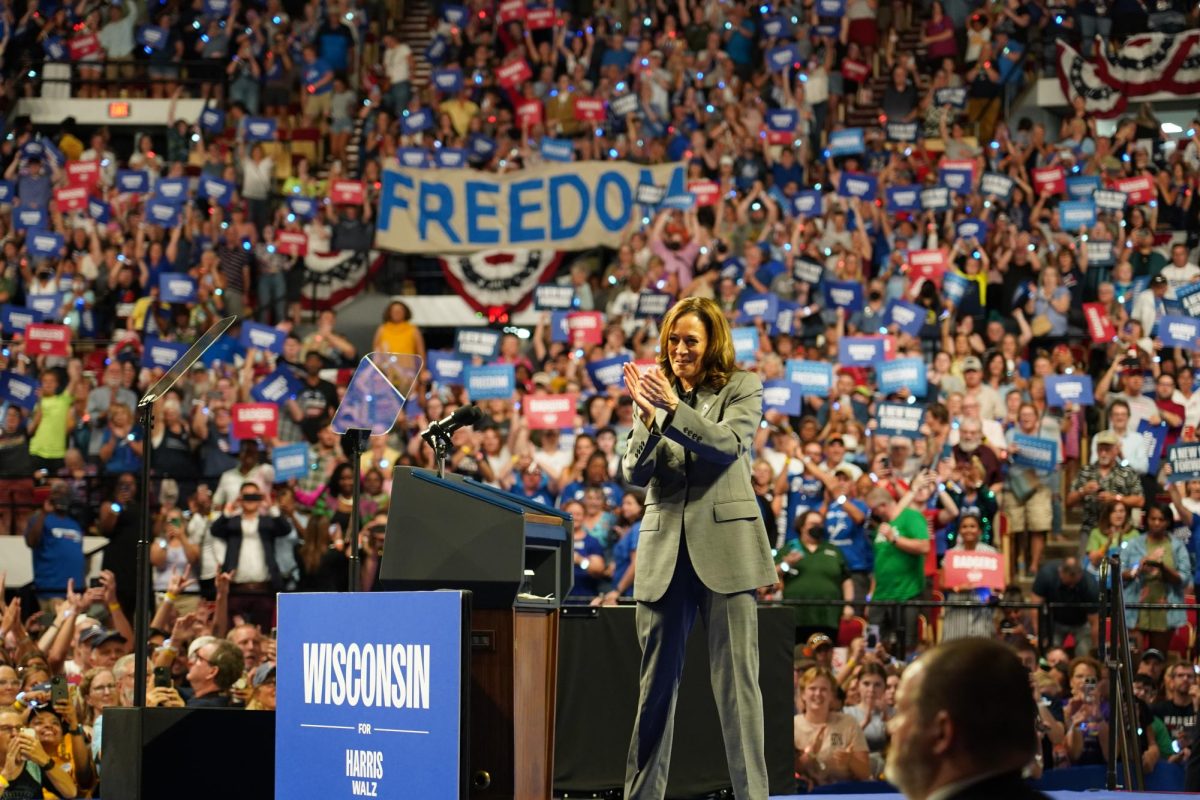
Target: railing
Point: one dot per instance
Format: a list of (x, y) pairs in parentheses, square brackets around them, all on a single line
[(127, 76)]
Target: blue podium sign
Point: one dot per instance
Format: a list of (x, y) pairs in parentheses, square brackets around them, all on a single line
[(370, 695)]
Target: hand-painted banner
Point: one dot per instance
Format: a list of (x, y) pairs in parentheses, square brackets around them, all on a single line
[(557, 206)]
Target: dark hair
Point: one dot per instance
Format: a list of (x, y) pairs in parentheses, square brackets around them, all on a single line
[(387, 312), (228, 660)]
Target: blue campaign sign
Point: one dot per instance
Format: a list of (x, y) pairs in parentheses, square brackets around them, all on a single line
[(552, 297), (936, 198), (900, 419), (370, 695), (455, 15), (495, 382), (163, 214), (684, 201), (1179, 331), (1081, 186), (785, 319), (212, 119), (758, 306), (653, 304), (903, 373), (1185, 462), (782, 396), (1140, 285), (47, 305), (447, 367), (173, 190), (558, 149), (860, 351), (99, 211), (16, 318), (608, 372), (158, 353), (745, 345), (972, 228), (152, 36), (304, 208), (807, 203), (831, 8), (259, 128), (133, 181), (44, 244), (1188, 296), (782, 57), (278, 387), (903, 198), (447, 80), (19, 390), (1155, 436), (417, 121), (262, 337), (954, 286), (956, 97), (773, 27), (997, 185), (216, 189), (844, 294), (7, 191), (782, 119), (176, 287), (901, 131), (908, 317), (809, 272), (29, 218), (1062, 390), (957, 180), (858, 184), (451, 157), (482, 146), (1035, 453), (559, 332), (811, 377), (290, 461), (847, 142), (477, 342), (1110, 199), (1076, 214)]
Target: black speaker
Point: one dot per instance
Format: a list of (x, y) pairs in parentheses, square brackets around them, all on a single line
[(151, 753)]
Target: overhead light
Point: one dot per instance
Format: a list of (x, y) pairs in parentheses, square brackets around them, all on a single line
[(1171, 128)]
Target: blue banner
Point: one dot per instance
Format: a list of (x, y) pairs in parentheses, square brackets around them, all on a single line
[(847, 142), (451, 157), (782, 396), (774, 27), (552, 297), (954, 286), (152, 37), (758, 306), (902, 131), (900, 419), (99, 211), (558, 149), (782, 119), (608, 372), (29, 218), (653, 304), (16, 318), (903, 198), (19, 390), (903, 373), (369, 695), (972, 228), (957, 180), (807, 203), (1035, 453), (133, 181), (48, 305), (448, 81), (417, 121), (278, 387), (7, 192), (745, 345), (1081, 186), (290, 461), (831, 8), (262, 337), (860, 351), (844, 294), (172, 190), (482, 146), (1155, 437), (1076, 214), (497, 381), (176, 287), (260, 129), (44, 243), (782, 57), (1185, 462), (956, 97), (908, 317), (1188, 296), (477, 342), (446, 367), (455, 15), (216, 190), (1100, 254), (785, 319), (997, 185), (1062, 390), (157, 353), (811, 377), (858, 184), (212, 120), (936, 198), (163, 214), (1179, 331), (304, 208)]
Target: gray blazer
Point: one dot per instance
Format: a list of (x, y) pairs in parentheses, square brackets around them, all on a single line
[(712, 498)]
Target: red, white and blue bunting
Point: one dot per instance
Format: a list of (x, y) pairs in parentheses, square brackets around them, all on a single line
[(1145, 64)]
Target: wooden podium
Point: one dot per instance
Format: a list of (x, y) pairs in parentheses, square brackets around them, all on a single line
[(454, 533)]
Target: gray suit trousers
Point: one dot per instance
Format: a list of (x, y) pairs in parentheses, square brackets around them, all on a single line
[(663, 627)]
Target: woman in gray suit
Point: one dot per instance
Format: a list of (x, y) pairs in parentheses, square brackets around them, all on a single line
[(702, 547)]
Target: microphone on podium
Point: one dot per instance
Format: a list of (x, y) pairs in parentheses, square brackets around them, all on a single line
[(462, 418)]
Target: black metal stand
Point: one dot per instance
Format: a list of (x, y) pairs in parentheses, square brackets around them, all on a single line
[(141, 610), (354, 444), (439, 440), (1123, 724)]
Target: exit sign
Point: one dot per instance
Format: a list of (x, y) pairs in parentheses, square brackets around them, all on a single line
[(118, 109)]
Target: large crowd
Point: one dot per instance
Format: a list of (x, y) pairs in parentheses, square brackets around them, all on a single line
[(986, 282)]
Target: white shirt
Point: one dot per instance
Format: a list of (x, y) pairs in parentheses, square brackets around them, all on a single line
[(231, 482), (1135, 453), (1178, 277), (212, 549), (1146, 309), (252, 559), (395, 63)]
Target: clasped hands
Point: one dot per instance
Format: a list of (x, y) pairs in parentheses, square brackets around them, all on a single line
[(650, 391)]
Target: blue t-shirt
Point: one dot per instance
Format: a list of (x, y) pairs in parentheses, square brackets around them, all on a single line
[(123, 458), (576, 489), (585, 584), (314, 72), (805, 493), (58, 556), (850, 536), (538, 496), (623, 552)]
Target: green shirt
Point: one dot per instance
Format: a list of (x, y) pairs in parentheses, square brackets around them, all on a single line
[(816, 576), (50, 438), (900, 575)]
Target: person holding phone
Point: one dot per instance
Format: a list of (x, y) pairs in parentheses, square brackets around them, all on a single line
[(250, 554), (702, 544), (28, 770)]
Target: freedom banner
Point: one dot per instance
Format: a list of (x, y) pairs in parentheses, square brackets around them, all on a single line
[(811, 377), (278, 387), (1100, 327), (550, 411), (1154, 436), (290, 461), (554, 206), (1035, 453), (900, 419), (1179, 331), (1062, 390), (48, 340), (483, 343), (255, 421), (961, 568), (903, 373), (1185, 462), (781, 396), (495, 382)]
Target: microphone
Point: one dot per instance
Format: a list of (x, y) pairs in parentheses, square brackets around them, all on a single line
[(462, 418)]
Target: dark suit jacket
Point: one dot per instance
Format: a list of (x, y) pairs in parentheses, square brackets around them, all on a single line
[(1007, 786), (696, 467), (229, 529)]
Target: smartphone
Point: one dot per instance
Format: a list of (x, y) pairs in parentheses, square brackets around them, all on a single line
[(274, 633), (95, 583), (58, 689), (162, 678)]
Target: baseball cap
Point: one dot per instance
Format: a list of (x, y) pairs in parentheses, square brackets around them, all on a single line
[(1107, 437), (1159, 280), (972, 363), (817, 641), (1153, 652), (845, 470), (97, 636), (264, 673)]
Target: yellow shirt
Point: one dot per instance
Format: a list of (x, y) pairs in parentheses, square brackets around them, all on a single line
[(461, 113), (399, 337)]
